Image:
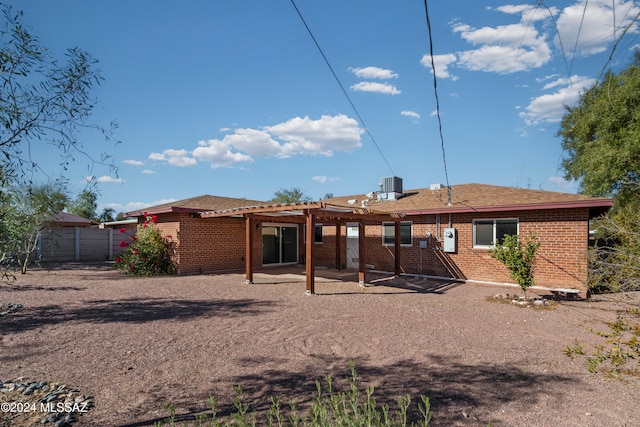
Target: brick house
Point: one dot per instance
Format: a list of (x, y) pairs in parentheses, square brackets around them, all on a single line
[(437, 231)]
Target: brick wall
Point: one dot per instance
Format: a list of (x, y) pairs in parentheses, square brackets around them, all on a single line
[(209, 245), (218, 244), (561, 260)]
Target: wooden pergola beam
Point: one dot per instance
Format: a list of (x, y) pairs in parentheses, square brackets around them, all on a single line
[(309, 260)]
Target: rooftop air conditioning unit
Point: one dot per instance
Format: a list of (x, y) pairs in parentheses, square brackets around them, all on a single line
[(391, 184)]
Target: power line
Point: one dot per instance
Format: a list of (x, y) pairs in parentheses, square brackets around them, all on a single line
[(435, 89), (335, 76)]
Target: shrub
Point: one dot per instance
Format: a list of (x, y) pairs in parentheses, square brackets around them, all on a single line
[(519, 258), (147, 253)]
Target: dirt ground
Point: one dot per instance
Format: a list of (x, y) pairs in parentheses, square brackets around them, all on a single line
[(136, 343)]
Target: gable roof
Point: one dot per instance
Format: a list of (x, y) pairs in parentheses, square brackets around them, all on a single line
[(477, 198), (65, 219), (197, 204)]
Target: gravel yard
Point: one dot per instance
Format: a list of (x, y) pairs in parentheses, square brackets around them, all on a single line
[(133, 344)]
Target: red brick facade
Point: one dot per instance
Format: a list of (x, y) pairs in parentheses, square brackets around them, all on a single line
[(209, 245), (561, 260)]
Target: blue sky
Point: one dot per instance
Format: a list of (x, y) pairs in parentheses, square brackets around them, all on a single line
[(232, 98)]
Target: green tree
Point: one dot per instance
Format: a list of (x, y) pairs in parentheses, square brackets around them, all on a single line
[(601, 138), (107, 215), (24, 214), (43, 101), (85, 205), (519, 257), (292, 195)]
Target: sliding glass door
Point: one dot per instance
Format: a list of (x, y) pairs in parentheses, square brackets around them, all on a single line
[(279, 244)]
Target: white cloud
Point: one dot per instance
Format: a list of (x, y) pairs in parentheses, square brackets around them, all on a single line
[(384, 88), (373, 73), (441, 63), (148, 172), (324, 179), (134, 206), (551, 107), (133, 162), (503, 49), (563, 184), (323, 136), (109, 179), (589, 30), (174, 157), (412, 114), (297, 136)]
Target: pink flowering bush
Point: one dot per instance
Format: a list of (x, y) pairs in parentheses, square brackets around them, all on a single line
[(147, 253)]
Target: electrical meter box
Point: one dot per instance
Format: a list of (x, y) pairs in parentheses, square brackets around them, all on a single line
[(449, 240)]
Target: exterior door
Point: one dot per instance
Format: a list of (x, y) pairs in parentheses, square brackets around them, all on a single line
[(279, 243), (353, 254)]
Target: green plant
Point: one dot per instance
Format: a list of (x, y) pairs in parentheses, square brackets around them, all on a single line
[(519, 257), (329, 407), (620, 352), (147, 253)]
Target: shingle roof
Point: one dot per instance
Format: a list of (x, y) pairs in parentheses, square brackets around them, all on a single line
[(65, 219), (475, 198), (197, 204)]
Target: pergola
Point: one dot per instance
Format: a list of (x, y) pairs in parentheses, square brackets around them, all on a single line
[(310, 213)]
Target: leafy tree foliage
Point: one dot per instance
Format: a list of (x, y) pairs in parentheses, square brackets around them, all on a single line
[(24, 214), (614, 261), (42, 101), (292, 195), (601, 137), (85, 205), (107, 215)]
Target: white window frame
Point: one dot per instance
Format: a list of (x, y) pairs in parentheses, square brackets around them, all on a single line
[(493, 239), (384, 234)]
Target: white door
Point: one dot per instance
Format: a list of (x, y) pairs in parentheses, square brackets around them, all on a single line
[(353, 259)]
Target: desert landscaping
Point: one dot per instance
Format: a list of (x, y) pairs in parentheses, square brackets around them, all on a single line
[(130, 345)]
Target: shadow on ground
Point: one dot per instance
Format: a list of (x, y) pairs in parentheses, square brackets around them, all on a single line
[(133, 310), (458, 392)]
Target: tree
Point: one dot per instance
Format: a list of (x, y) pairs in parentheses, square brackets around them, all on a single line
[(85, 205), (42, 101), (519, 257), (24, 214), (106, 215), (601, 138), (614, 261), (292, 195)]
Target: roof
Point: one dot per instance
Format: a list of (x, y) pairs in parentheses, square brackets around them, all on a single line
[(197, 204), (476, 198), (65, 219)]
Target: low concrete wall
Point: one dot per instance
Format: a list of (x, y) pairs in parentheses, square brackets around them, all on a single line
[(61, 244)]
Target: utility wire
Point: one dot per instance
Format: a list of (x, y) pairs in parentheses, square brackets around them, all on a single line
[(335, 76), (435, 89)]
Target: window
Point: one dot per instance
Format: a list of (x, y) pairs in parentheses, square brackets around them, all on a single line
[(389, 233), (488, 231), (317, 234)]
